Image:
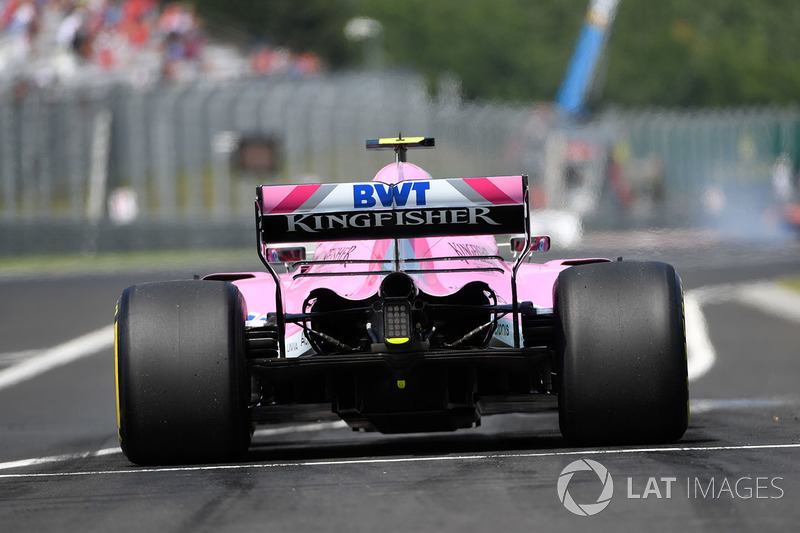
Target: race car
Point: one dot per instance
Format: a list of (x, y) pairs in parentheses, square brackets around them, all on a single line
[(406, 318)]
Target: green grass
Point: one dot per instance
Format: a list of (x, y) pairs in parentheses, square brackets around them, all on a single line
[(202, 260)]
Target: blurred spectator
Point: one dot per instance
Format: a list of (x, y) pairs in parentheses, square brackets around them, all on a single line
[(19, 21), (73, 32), (182, 36), (73, 41), (137, 20), (305, 65), (266, 60)]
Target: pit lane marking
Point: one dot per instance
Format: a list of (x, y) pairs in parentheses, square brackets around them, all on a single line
[(402, 460)]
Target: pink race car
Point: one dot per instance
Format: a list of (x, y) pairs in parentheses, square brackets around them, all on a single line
[(407, 319)]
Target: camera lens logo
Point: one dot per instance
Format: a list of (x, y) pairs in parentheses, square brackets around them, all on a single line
[(585, 509)]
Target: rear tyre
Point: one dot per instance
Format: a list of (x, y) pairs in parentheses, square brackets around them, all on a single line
[(182, 385), (621, 353)]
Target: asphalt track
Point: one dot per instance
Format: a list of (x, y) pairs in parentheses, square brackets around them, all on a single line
[(736, 469)]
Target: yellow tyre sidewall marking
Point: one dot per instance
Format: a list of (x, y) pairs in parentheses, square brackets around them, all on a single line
[(116, 372), (685, 348)]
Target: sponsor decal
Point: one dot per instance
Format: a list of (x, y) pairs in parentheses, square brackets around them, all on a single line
[(297, 345), (310, 223), (504, 330), (370, 194), (467, 249), (339, 253)]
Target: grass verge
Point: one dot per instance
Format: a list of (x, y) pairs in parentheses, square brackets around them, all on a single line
[(106, 263)]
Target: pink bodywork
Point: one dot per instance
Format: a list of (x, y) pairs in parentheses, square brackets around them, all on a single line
[(534, 281)]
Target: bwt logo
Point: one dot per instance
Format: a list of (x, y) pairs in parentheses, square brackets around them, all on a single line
[(364, 195)]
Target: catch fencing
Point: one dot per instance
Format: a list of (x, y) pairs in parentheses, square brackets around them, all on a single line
[(186, 156)]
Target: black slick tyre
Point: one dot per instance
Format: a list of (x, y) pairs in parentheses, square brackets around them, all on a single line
[(182, 385), (621, 353)]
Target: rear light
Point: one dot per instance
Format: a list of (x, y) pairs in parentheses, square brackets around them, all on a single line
[(538, 244), (397, 321), (286, 255)]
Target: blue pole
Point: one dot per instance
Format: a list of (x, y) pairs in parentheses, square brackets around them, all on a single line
[(572, 95)]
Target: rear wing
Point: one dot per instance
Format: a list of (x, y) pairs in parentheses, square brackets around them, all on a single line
[(374, 210), (408, 209)]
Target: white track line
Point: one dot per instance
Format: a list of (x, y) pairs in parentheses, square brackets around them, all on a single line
[(773, 299), (766, 296), (705, 405), (699, 350), (62, 354), (264, 432), (698, 405), (57, 458), (302, 428), (9, 358), (428, 459)]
